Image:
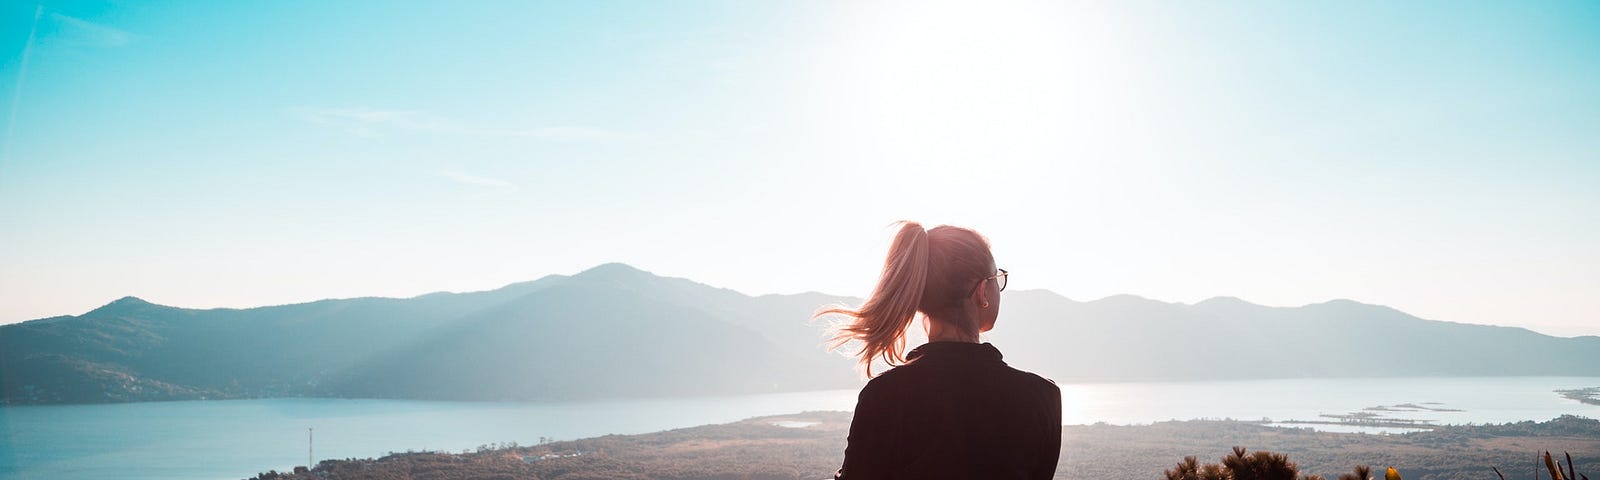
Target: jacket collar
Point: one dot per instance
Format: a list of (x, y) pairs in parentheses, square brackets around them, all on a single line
[(960, 351)]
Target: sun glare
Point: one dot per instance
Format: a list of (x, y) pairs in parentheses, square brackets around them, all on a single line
[(947, 82)]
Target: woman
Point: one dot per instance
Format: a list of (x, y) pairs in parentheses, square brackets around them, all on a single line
[(950, 408)]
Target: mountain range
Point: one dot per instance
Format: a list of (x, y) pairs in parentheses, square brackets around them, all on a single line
[(614, 331)]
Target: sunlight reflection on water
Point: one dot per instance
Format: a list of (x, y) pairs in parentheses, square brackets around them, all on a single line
[(241, 437)]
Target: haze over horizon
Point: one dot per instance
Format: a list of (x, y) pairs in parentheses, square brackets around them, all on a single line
[(626, 267), (1440, 159), (611, 264)]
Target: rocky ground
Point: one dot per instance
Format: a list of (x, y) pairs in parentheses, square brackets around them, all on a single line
[(809, 445)]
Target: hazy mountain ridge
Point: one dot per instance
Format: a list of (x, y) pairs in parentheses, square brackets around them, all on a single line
[(1227, 338), (615, 331)]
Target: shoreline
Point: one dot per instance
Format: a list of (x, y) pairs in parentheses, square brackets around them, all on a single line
[(167, 437), (1588, 395)]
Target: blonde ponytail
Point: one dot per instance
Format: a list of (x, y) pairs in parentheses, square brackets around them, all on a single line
[(880, 324), (928, 271)]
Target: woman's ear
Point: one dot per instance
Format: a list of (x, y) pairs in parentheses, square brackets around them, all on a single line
[(981, 296)]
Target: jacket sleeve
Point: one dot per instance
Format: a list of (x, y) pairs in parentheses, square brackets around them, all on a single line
[(867, 451), (1052, 441)]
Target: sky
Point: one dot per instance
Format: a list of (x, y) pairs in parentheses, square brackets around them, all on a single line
[(1442, 158)]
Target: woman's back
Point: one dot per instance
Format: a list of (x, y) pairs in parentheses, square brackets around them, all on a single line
[(955, 411), (951, 408)]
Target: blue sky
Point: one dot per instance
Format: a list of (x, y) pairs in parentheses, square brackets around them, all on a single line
[(1439, 157)]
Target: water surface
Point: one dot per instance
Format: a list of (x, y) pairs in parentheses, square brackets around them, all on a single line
[(239, 438)]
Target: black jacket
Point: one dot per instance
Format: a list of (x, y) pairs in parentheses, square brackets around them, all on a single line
[(955, 411)]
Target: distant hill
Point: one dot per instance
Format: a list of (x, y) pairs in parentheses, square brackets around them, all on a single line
[(615, 331), (1126, 337)]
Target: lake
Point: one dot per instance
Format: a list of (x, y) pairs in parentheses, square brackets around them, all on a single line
[(239, 438)]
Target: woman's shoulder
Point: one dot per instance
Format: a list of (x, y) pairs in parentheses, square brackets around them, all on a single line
[(896, 375), (908, 378), (1045, 386), (1033, 380)]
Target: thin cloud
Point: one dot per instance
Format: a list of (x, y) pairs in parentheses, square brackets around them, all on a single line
[(77, 31), (567, 133), (477, 181), (371, 122)]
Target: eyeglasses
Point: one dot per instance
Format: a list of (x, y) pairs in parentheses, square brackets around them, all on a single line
[(999, 280)]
